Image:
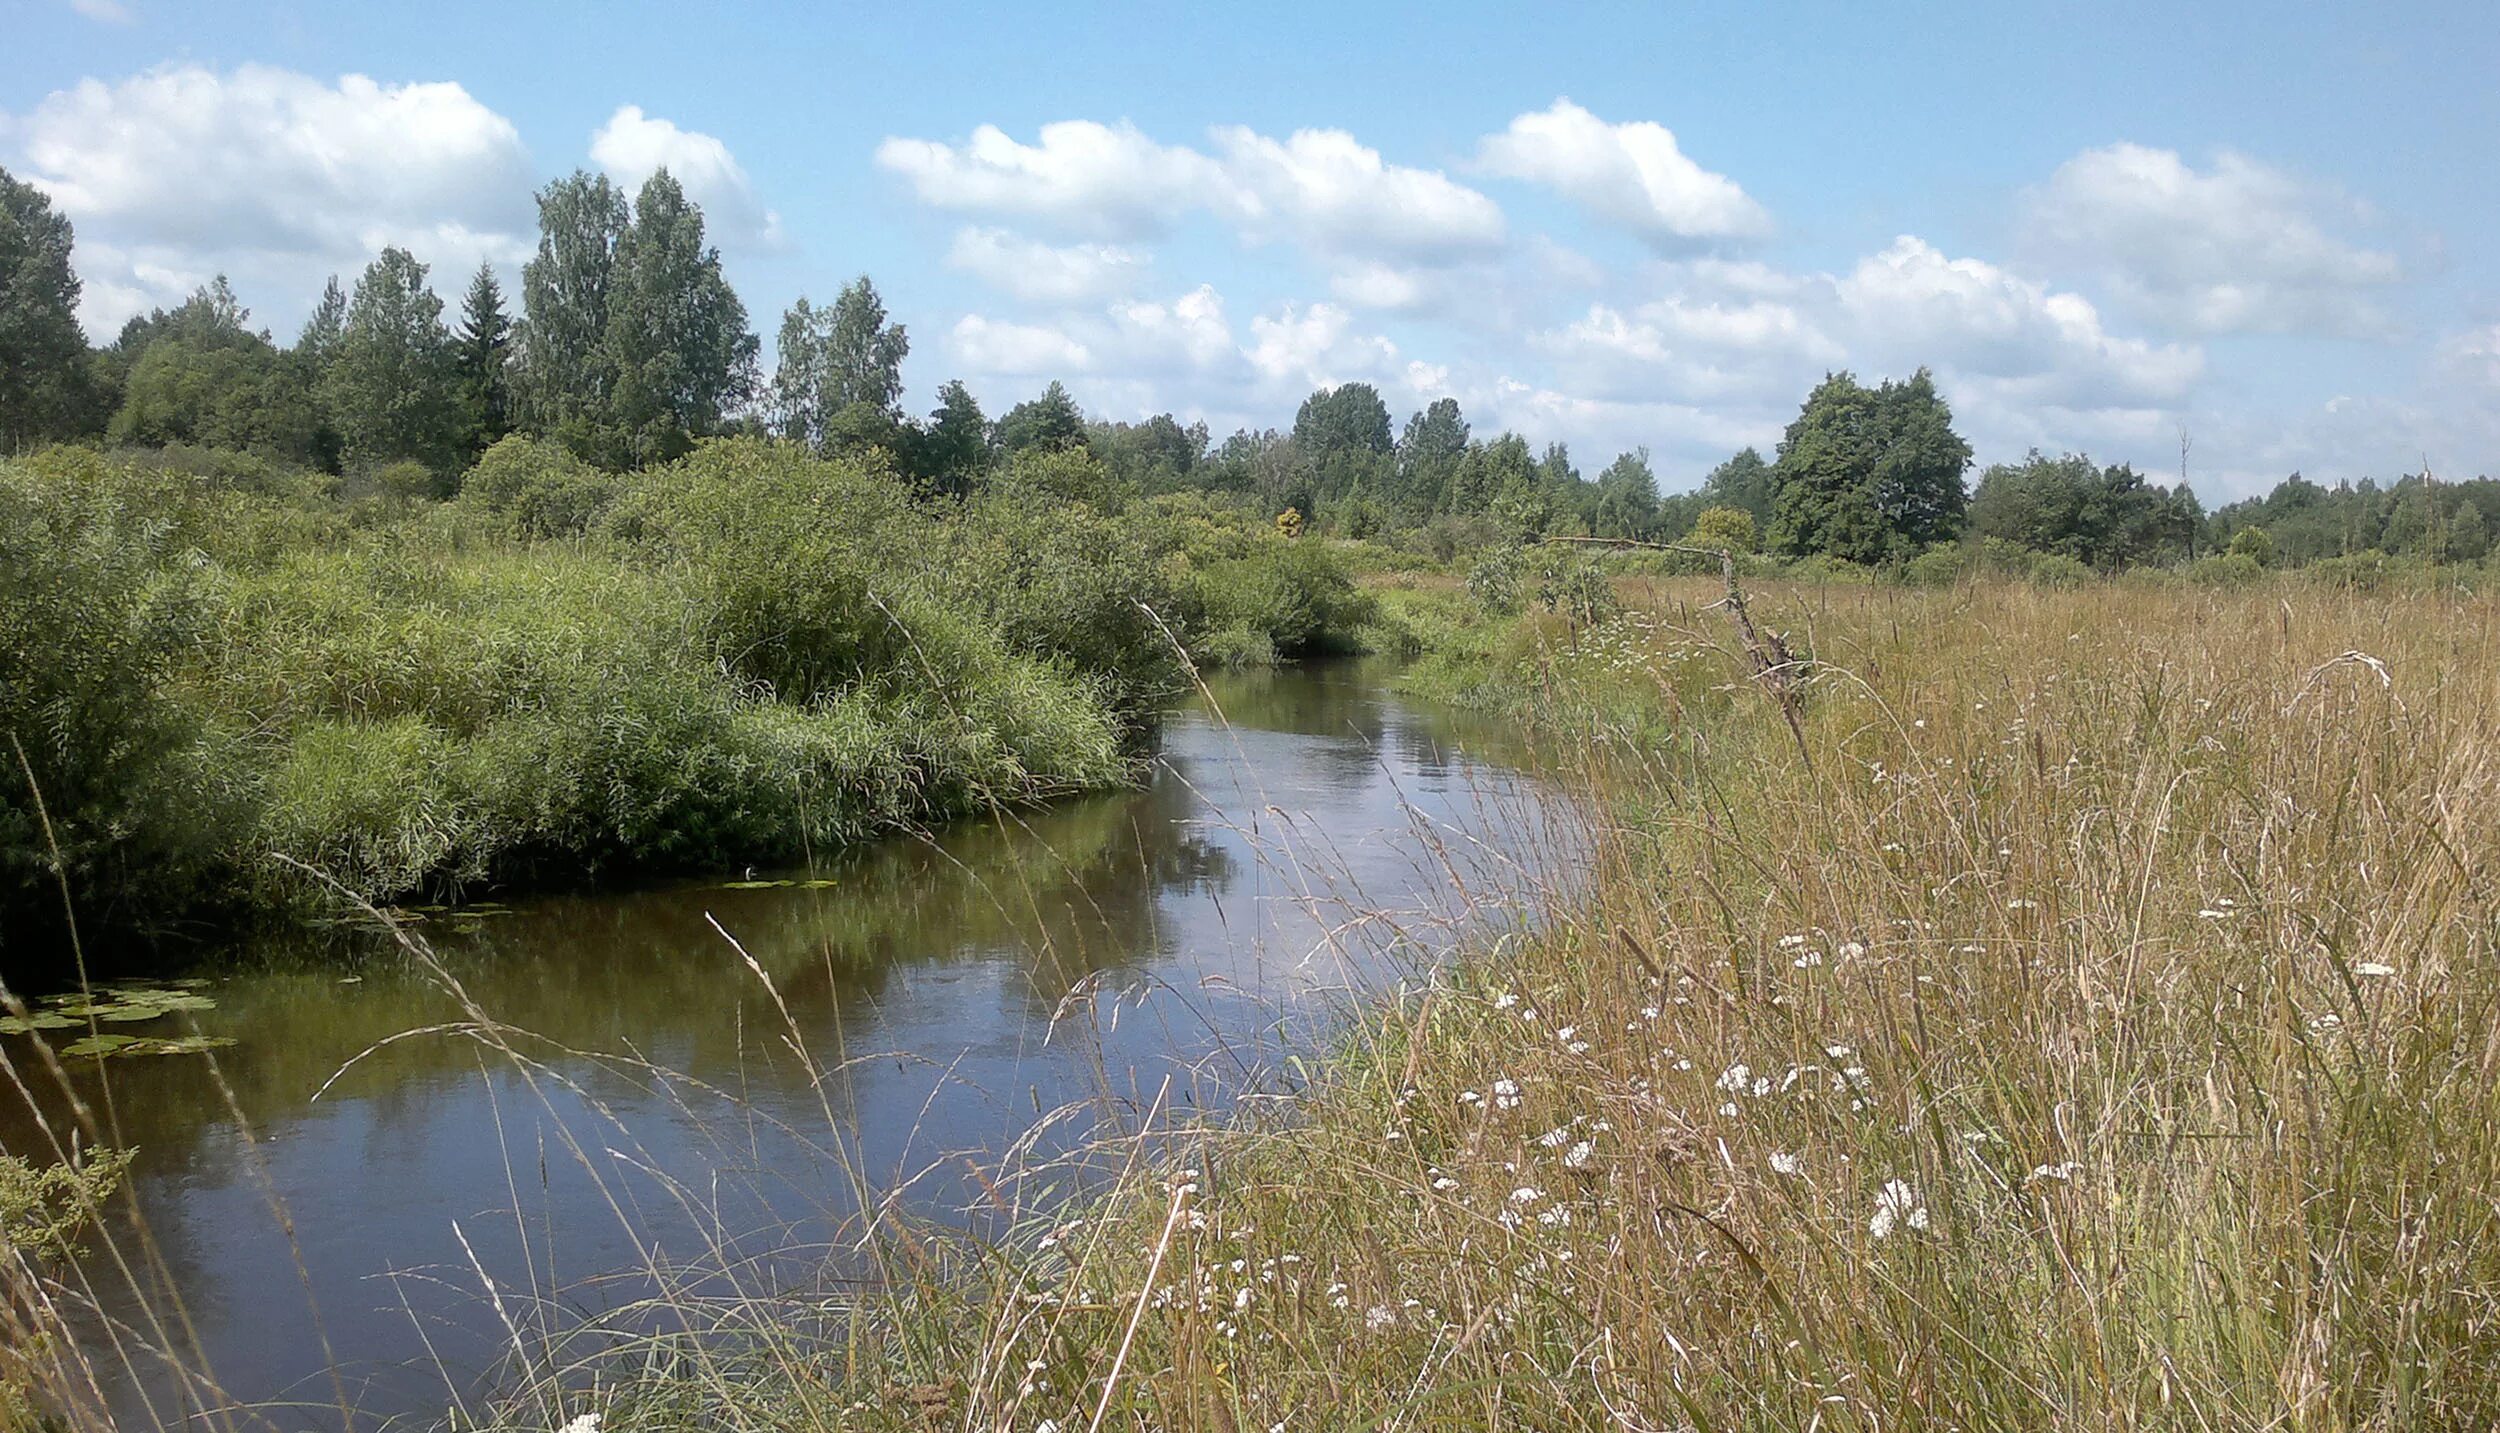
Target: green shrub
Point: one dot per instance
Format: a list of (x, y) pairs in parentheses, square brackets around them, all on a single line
[(97, 605), (536, 491)]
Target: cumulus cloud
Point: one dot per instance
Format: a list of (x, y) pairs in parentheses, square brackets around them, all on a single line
[(111, 12), (632, 146), (1321, 188), (996, 346), (271, 176), (1912, 302), (1042, 273), (2236, 248), (1633, 175), (1315, 346), (1082, 176)]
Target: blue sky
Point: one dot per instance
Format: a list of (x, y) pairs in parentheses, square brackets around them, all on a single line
[(1608, 224)]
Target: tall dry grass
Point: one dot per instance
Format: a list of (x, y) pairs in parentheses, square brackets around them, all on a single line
[(2092, 1023), (2095, 1026)]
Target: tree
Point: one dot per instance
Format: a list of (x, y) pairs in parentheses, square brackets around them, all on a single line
[(1728, 529), (1343, 432), (564, 371), (1428, 453), (1743, 481), (863, 353), (319, 340), (1049, 422), (482, 362), (43, 352), (390, 393), (798, 396), (2103, 517), (1869, 475), (200, 374), (1627, 497), (676, 341), (949, 450)]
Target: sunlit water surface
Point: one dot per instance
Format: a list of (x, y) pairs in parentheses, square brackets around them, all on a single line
[(1156, 950)]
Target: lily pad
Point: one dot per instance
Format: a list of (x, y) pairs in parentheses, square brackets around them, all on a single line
[(36, 1020), (99, 1045), (754, 885), (128, 1014), (183, 1045), (819, 885)]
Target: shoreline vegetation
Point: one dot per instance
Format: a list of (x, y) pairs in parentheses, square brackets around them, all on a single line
[(735, 658), (2089, 1025)]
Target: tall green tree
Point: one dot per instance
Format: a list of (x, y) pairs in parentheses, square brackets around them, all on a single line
[(677, 345), (949, 450), (482, 362), (863, 352), (1343, 432), (564, 375), (1050, 422), (1428, 453), (1627, 497), (318, 343), (201, 374), (798, 401), (1869, 475), (391, 393), (1744, 481), (43, 353)]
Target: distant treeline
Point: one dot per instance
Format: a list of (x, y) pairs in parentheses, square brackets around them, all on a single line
[(629, 346)]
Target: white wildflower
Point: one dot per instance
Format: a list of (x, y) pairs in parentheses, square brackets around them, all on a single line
[(1783, 1162), (1896, 1204), (1580, 1153), (583, 1423), (2373, 970)]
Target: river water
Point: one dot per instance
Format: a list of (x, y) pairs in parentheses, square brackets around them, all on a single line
[(574, 1088)]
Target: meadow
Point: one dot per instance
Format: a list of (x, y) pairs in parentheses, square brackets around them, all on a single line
[(2090, 1023)]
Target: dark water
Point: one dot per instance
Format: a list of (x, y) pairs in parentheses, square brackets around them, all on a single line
[(1159, 950)]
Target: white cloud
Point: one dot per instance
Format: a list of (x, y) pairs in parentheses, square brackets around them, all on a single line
[(272, 177), (995, 346), (1634, 175), (1380, 286), (1323, 188), (1083, 176), (632, 146), (1315, 346), (1320, 188), (2237, 248), (1910, 304), (1042, 273), (111, 12)]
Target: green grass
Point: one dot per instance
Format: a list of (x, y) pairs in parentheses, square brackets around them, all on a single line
[(2090, 1026)]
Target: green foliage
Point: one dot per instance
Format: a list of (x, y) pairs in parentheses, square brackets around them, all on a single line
[(2100, 517), (44, 1208), (481, 362), (1627, 498), (676, 342), (95, 612), (199, 376), (1730, 529), (389, 390), (833, 361), (1744, 481), (1496, 582), (2253, 543), (43, 378), (534, 490), (1869, 475), (1049, 422)]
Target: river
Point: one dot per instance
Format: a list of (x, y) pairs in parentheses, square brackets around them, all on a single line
[(574, 1088)]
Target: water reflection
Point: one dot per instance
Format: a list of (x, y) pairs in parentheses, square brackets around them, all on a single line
[(1101, 956)]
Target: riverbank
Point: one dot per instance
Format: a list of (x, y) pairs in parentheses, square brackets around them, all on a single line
[(246, 693), (2082, 1017)]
